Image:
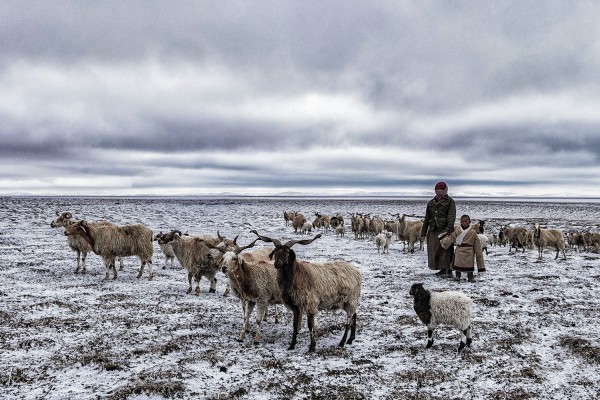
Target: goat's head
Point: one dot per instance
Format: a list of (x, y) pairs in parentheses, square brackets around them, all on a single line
[(158, 237), (169, 237), (76, 228), (62, 220), (230, 252), (283, 254)]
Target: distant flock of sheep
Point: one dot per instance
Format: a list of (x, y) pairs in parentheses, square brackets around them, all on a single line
[(270, 276)]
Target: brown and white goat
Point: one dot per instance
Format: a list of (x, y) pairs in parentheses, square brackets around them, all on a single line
[(309, 287)]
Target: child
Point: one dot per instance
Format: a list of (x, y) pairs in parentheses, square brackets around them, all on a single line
[(468, 249)]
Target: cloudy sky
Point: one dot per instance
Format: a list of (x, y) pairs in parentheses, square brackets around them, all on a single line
[(321, 97)]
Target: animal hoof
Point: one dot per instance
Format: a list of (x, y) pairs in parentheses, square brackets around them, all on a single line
[(139, 276), (212, 291), (189, 291)]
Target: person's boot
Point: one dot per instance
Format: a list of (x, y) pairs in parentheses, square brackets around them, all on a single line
[(470, 277), (457, 276)]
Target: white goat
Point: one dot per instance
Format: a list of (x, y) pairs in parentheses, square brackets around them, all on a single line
[(548, 238), (253, 279)]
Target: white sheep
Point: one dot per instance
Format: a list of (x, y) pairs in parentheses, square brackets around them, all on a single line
[(306, 227), (448, 308), (308, 287), (382, 241), (548, 238), (254, 280), (340, 230), (111, 241)]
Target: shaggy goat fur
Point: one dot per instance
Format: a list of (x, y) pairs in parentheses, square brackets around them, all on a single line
[(548, 238), (308, 287), (111, 241)]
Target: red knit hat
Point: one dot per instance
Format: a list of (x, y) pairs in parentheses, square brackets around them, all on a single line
[(441, 185), (441, 189)]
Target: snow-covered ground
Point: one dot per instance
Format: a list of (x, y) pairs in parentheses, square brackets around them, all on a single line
[(62, 335)]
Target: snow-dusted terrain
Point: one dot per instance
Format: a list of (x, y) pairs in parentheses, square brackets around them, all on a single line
[(68, 336)]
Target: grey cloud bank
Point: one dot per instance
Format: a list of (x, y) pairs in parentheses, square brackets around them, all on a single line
[(320, 98)]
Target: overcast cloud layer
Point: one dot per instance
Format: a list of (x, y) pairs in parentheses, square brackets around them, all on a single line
[(334, 97)]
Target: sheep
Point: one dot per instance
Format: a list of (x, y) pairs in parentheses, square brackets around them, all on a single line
[(306, 228), (358, 224), (449, 308), (308, 287), (167, 250), (76, 242), (298, 222), (197, 258), (340, 230), (591, 241), (411, 230), (110, 241), (548, 238), (254, 281), (383, 241)]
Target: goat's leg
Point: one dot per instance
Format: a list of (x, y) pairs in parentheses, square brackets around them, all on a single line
[(83, 257), (296, 327), (114, 268), (78, 253), (352, 330), (106, 270), (190, 283), (249, 306), (150, 271), (311, 331), (347, 328), (213, 285), (261, 313), (120, 263)]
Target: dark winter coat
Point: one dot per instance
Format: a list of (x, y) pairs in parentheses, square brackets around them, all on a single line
[(439, 216)]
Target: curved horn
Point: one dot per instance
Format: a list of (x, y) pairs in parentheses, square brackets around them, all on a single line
[(57, 213), (235, 240), (212, 246), (266, 239), (238, 250), (68, 215), (219, 236), (304, 242)]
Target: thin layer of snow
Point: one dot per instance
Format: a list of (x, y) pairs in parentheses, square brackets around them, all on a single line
[(62, 335)]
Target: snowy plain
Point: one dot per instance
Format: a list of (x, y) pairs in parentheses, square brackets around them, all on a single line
[(66, 335)]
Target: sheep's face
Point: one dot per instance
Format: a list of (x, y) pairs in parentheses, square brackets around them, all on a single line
[(168, 237), (415, 288), (77, 228), (229, 262), (158, 237), (282, 256), (62, 220)]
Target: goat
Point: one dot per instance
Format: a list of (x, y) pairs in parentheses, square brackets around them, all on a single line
[(548, 238), (110, 241), (253, 279), (411, 230), (298, 222), (308, 287), (193, 254), (288, 216), (166, 249)]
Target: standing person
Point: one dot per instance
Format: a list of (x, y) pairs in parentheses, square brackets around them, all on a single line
[(439, 221), (468, 249)]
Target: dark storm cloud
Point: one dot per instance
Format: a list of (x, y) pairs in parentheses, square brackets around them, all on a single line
[(125, 89)]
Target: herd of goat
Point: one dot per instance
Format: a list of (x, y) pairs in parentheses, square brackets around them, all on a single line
[(267, 276)]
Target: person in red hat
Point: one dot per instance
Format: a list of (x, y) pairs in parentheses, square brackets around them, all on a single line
[(440, 216)]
